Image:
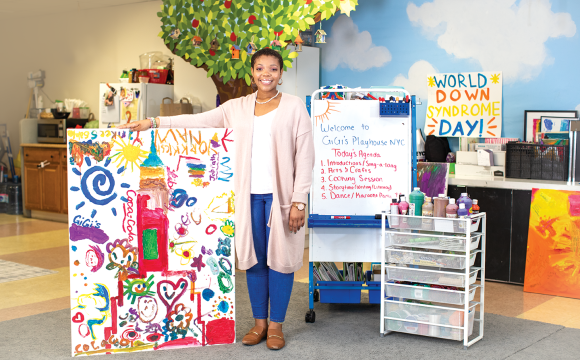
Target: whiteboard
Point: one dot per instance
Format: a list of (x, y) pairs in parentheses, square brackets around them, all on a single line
[(362, 160)]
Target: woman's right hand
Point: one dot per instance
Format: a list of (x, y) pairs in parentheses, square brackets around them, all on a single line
[(140, 125)]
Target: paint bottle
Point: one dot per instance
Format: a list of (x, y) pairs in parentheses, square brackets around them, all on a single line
[(462, 213), (440, 203), (465, 199), (416, 199), (403, 210), (394, 220), (451, 209), (403, 206), (427, 211), (474, 207)]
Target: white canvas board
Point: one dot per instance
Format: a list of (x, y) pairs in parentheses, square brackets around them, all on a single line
[(151, 240)]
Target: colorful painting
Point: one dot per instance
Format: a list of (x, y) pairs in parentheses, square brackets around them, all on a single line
[(432, 178), (553, 257), (151, 242)]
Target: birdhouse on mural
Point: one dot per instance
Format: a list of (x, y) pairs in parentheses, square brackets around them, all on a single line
[(175, 34), (276, 45), (235, 50), (320, 36), (196, 41), (298, 43), (214, 45), (252, 48)]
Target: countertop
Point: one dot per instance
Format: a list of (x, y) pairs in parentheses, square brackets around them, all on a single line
[(57, 146), (508, 183)]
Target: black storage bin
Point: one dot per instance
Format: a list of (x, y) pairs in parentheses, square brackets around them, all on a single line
[(536, 161)]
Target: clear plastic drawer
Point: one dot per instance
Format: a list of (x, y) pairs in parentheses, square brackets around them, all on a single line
[(429, 241), (433, 223), (427, 258), (428, 293), (446, 278), (410, 313)]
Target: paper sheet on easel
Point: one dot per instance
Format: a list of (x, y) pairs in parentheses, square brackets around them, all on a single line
[(131, 112), (111, 114)]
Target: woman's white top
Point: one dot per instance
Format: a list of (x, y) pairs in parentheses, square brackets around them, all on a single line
[(261, 182)]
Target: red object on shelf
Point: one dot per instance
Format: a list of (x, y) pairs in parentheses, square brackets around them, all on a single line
[(157, 76)]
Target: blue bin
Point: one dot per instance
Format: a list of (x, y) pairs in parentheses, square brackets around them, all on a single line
[(374, 295), (340, 296)]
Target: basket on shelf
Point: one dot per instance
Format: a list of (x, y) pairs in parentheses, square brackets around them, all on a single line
[(537, 161)]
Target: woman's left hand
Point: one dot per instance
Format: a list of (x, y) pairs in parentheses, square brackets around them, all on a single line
[(296, 219)]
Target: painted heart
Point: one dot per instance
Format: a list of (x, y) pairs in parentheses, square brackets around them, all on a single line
[(169, 292), (78, 318)]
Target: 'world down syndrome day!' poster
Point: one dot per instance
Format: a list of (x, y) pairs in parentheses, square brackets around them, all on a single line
[(464, 104), (151, 217)]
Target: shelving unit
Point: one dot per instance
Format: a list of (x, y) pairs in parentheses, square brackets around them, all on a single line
[(430, 255)]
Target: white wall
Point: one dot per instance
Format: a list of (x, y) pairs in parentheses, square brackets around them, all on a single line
[(80, 49)]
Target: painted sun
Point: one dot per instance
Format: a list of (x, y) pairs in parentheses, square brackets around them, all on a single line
[(127, 152), (494, 78), (431, 81)]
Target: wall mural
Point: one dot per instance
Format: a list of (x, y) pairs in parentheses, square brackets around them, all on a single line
[(151, 239)]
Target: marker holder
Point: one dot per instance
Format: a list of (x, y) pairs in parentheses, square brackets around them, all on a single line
[(394, 109)]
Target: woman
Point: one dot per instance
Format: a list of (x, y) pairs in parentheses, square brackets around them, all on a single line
[(273, 173)]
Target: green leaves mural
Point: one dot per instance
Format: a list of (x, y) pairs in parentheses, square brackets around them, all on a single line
[(231, 22)]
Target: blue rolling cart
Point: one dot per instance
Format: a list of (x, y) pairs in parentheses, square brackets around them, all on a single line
[(348, 229)]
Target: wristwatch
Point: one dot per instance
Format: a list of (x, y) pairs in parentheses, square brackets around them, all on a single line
[(299, 206)]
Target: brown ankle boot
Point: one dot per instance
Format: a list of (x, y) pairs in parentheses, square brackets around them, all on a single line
[(255, 335), (275, 340)]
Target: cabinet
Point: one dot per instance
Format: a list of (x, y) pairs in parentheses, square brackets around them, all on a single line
[(45, 188), (428, 277), (508, 213)]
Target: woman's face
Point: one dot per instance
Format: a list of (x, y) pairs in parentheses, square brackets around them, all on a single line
[(266, 73)]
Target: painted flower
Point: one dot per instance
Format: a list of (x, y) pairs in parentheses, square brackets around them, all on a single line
[(186, 255), (179, 318), (228, 228)]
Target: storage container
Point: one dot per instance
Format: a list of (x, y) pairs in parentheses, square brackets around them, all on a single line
[(428, 241), (446, 278), (394, 109), (427, 293), (340, 296), (426, 258), (536, 161), (447, 225), (408, 326)]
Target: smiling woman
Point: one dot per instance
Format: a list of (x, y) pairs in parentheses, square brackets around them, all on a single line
[(275, 149)]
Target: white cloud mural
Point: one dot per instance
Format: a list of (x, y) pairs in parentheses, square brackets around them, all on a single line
[(416, 80), (498, 34), (353, 49)]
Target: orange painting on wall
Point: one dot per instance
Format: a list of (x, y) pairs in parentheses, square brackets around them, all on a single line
[(553, 257)]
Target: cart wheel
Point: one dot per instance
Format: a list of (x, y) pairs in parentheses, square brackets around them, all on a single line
[(310, 316), (316, 296)]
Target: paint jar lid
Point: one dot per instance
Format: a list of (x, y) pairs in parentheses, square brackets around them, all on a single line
[(442, 196), (417, 189), (403, 198), (474, 201), (451, 201), (462, 206), (393, 201), (463, 194), (427, 199)]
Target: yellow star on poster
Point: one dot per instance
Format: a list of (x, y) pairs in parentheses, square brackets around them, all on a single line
[(431, 81), (346, 6), (495, 78)]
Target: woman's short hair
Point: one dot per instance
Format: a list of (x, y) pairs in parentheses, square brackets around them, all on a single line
[(267, 52)]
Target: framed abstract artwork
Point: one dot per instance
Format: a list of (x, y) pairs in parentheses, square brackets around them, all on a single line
[(532, 119)]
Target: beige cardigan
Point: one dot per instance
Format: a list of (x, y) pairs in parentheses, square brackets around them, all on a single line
[(292, 165)]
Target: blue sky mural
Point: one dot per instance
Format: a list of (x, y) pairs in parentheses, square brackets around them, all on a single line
[(535, 43)]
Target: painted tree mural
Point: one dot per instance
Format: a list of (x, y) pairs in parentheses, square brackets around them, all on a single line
[(217, 35)]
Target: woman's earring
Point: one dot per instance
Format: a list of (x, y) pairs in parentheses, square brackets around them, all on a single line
[(281, 81), (253, 82)]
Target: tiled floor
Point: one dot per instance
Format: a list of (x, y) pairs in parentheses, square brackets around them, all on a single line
[(43, 244), (13, 271)]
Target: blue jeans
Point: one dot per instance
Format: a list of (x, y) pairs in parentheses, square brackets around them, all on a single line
[(264, 283)]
